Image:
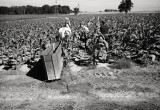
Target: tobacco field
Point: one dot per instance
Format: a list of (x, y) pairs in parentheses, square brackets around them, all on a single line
[(118, 70)]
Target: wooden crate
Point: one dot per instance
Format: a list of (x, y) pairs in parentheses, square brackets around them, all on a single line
[(53, 63)]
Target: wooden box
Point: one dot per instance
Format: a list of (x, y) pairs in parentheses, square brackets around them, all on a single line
[(53, 62)]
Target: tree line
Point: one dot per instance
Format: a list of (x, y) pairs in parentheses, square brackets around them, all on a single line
[(124, 6), (45, 9), (110, 10)]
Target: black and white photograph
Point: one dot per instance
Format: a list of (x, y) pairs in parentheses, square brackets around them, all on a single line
[(79, 54)]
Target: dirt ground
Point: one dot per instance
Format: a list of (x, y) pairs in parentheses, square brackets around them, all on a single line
[(83, 88)]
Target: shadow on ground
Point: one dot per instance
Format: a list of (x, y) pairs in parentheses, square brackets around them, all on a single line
[(38, 71)]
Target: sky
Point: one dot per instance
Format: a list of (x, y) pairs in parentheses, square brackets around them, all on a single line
[(88, 5)]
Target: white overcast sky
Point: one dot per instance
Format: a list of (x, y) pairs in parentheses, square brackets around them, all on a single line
[(87, 5)]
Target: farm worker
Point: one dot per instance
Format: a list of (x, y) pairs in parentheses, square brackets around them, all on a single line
[(64, 34), (103, 50), (104, 28), (84, 28), (65, 31), (84, 33), (89, 23), (104, 43)]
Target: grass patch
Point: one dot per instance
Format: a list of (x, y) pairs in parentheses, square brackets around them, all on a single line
[(122, 64), (70, 107), (125, 88), (23, 105)]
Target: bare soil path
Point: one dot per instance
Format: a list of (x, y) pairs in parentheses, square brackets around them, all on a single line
[(100, 88)]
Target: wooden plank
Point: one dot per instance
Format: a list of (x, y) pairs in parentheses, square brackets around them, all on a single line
[(50, 70), (59, 64), (55, 62), (47, 58), (50, 73), (61, 61)]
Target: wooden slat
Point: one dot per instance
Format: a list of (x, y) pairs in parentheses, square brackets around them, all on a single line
[(49, 67), (59, 64), (55, 63)]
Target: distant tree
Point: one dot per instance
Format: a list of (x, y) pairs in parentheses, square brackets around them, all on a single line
[(110, 10), (4, 10), (38, 10), (18, 10), (76, 10), (51, 9), (45, 9), (59, 9), (29, 9), (65, 9), (125, 6)]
